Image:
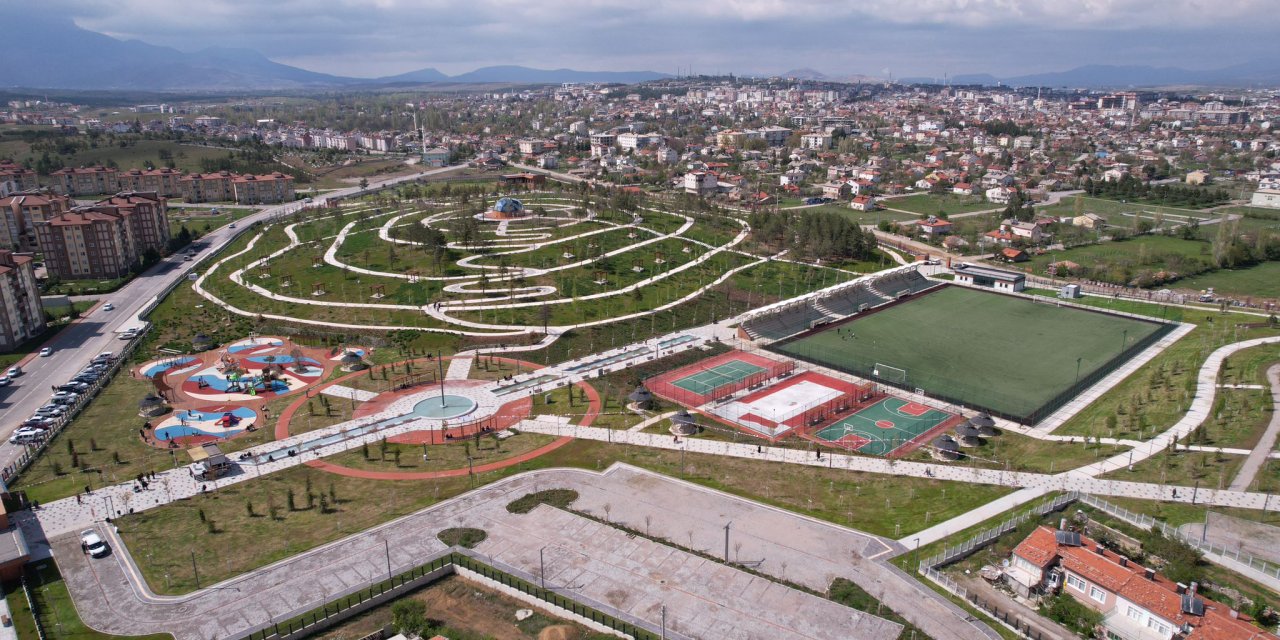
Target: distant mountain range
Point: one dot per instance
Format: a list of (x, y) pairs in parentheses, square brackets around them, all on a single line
[(1122, 76), (54, 53)]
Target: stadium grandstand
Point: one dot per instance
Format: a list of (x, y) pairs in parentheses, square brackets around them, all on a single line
[(786, 321), (849, 300), (901, 283)]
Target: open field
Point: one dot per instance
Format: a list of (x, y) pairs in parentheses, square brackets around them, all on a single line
[(982, 349), (1122, 262), (928, 204), (1259, 281), (1122, 213), (467, 610)]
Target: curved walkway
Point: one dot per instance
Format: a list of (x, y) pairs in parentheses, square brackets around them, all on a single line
[(1261, 451)]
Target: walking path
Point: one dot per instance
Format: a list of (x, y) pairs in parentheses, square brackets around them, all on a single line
[(1253, 464), (459, 368)]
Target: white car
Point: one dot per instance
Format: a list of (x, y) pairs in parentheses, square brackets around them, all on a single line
[(108, 307), (92, 543), (46, 352), (14, 372), (26, 435), (5, 381)]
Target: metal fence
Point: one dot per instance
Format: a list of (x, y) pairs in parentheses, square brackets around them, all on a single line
[(33, 451), (35, 611), (1009, 619), (305, 623), (984, 538), (1144, 521)]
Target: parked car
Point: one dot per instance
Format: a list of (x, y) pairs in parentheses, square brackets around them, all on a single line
[(65, 400), (26, 435), (93, 544), (73, 387), (46, 352), (38, 422), (51, 409), (105, 356)]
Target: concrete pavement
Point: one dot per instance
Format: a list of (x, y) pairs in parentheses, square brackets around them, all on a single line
[(582, 556)]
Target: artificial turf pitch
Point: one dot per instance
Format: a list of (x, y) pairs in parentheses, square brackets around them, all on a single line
[(1003, 353)]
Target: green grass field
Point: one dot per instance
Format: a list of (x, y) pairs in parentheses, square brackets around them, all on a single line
[(1002, 353), (928, 204), (1121, 262), (1262, 281)]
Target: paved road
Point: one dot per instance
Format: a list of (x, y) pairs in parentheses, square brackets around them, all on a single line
[(1252, 464), (582, 556), (79, 343)]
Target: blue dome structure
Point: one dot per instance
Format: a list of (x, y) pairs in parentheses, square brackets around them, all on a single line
[(509, 206)]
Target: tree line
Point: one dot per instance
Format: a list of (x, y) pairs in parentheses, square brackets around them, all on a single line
[(813, 234)]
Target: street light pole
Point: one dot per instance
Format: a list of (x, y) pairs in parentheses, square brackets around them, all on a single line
[(917, 554), (726, 540), (386, 544), (542, 567)]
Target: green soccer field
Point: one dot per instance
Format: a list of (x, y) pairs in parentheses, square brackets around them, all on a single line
[(1002, 353)]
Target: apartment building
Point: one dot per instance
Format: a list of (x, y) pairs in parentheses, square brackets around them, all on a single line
[(207, 187), (21, 212), (147, 216), (271, 188), (23, 179), (163, 181), (86, 243), (85, 181), (21, 316), (1136, 602)]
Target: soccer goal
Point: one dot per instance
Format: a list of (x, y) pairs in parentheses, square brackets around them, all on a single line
[(890, 374)]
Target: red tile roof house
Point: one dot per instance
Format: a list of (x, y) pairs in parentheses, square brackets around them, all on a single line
[(1136, 602), (932, 226)]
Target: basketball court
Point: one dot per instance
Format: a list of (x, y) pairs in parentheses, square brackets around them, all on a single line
[(890, 427)]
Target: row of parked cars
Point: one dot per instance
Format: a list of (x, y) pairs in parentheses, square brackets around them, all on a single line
[(36, 428)]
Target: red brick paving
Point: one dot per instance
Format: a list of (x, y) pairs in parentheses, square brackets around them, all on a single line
[(522, 407)]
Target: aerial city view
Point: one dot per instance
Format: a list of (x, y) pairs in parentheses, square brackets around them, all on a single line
[(745, 320)]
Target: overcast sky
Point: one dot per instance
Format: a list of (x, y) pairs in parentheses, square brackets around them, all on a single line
[(371, 38)]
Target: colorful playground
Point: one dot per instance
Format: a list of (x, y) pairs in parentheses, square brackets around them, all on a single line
[(217, 394)]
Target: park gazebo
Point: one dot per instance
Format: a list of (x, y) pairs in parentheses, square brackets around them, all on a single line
[(352, 361), (152, 405), (986, 426), (945, 448), (641, 398), (967, 435), (683, 424), (202, 342)]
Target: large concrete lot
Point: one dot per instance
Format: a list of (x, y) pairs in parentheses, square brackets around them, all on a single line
[(704, 599)]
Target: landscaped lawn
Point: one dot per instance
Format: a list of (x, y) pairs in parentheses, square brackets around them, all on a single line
[(162, 539)]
